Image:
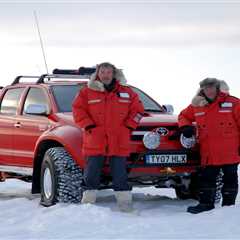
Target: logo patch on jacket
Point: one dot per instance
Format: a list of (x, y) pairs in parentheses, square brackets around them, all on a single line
[(138, 117), (226, 105), (124, 95)]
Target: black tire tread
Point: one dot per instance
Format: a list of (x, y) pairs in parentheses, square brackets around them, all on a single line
[(68, 176)]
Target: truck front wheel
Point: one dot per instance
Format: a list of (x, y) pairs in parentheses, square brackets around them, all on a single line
[(61, 178)]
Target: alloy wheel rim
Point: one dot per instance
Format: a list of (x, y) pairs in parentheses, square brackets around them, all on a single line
[(47, 183)]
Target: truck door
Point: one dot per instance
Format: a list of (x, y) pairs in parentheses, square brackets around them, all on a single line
[(28, 127), (8, 111)]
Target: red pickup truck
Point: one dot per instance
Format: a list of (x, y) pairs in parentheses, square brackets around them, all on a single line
[(39, 141)]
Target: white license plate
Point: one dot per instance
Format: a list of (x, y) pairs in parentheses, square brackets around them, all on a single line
[(166, 158)]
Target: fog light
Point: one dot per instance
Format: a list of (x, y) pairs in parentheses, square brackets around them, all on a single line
[(187, 142), (151, 140)]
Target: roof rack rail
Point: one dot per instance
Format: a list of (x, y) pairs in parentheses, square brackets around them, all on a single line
[(17, 79), (61, 76)]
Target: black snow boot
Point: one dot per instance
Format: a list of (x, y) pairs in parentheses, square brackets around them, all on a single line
[(201, 207), (206, 201), (229, 197)]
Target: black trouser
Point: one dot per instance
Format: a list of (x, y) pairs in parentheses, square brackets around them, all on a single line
[(208, 184), (92, 172)]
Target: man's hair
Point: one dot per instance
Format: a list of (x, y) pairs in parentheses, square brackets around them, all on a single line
[(107, 65), (210, 82)]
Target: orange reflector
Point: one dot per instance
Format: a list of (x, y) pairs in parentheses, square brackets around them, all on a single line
[(167, 170)]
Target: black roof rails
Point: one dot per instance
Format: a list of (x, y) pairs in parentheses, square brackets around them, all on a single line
[(17, 79), (81, 73), (41, 78)]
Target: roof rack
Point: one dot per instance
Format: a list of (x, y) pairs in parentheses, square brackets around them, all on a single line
[(17, 79), (81, 73)]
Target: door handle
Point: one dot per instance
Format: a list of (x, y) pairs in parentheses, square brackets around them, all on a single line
[(17, 125)]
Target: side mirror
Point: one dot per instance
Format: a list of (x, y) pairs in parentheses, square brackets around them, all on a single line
[(36, 109), (168, 108)]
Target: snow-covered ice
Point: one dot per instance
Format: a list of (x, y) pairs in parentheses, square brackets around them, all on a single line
[(158, 215)]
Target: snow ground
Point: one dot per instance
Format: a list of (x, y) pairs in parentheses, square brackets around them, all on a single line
[(158, 215)]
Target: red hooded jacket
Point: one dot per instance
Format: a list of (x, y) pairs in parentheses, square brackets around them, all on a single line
[(113, 113), (218, 127)]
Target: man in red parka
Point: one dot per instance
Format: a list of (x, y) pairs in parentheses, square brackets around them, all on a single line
[(217, 117), (107, 110)]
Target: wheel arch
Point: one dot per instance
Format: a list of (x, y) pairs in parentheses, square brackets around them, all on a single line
[(66, 136)]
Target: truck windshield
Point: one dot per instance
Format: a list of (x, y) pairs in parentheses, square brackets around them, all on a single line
[(65, 94)]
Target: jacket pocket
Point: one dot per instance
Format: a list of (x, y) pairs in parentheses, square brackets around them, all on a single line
[(228, 129)]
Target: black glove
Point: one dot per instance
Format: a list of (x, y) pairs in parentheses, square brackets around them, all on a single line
[(187, 131), (90, 127)]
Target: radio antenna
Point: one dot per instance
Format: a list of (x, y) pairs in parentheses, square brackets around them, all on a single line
[(41, 42)]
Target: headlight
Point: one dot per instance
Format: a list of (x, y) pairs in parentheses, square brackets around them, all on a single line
[(187, 142), (151, 140)]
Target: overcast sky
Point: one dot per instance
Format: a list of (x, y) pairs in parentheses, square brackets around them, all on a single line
[(164, 47)]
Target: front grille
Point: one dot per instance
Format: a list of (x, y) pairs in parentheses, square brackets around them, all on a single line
[(138, 136)]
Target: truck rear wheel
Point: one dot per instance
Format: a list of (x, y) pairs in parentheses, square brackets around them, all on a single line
[(61, 178)]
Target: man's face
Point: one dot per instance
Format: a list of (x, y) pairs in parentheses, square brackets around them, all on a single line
[(105, 75), (210, 91)]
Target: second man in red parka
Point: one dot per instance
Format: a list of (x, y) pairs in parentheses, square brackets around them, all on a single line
[(107, 110), (217, 118)]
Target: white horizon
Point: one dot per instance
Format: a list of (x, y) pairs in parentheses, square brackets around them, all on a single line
[(164, 48)]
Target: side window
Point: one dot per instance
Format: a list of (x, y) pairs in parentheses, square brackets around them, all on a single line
[(35, 96), (10, 101)]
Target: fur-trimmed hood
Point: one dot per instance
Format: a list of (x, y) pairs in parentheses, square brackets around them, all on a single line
[(98, 85), (200, 101)]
